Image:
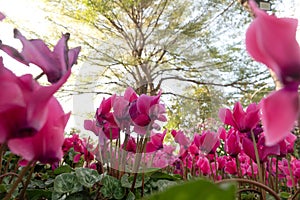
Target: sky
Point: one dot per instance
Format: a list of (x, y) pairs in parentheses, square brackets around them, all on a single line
[(30, 15)]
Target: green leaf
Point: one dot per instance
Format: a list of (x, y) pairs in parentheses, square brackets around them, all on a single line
[(62, 169), (126, 181), (284, 195), (200, 189), (79, 196), (49, 182), (164, 184), (130, 196), (2, 188), (57, 196), (36, 194), (112, 188), (37, 183), (67, 183), (87, 177), (119, 192), (161, 175)]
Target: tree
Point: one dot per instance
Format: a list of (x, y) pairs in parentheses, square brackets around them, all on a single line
[(149, 44)]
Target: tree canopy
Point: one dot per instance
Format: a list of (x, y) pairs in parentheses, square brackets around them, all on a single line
[(176, 46)]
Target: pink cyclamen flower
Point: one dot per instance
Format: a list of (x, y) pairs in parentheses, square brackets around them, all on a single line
[(25, 106), (106, 121), (130, 145), (156, 142), (120, 105), (272, 41), (241, 120), (54, 63), (233, 143), (263, 150), (207, 142), (46, 145), (287, 145), (32, 121), (180, 138), (144, 111)]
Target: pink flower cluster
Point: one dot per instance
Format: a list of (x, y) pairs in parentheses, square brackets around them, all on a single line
[(32, 120), (225, 154), (128, 114), (82, 148)]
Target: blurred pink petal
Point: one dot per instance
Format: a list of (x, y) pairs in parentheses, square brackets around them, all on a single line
[(46, 145), (280, 110), (91, 125), (272, 41)]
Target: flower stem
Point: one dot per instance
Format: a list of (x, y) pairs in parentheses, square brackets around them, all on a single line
[(257, 159), (22, 194), (291, 174), (2, 150), (16, 183), (277, 173), (259, 165)]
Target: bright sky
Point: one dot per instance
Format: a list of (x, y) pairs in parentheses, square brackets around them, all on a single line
[(28, 13)]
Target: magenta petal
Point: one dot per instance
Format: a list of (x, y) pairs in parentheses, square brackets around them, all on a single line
[(270, 39), (143, 103), (35, 51), (150, 147), (61, 51), (45, 146), (54, 64), (239, 116), (105, 106), (142, 120), (73, 55), (11, 96), (91, 125), (248, 148), (279, 112), (253, 116), (76, 158), (226, 117), (130, 94), (36, 112), (14, 53)]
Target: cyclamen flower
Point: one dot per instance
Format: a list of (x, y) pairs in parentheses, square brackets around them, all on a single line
[(26, 106), (263, 150), (32, 121), (156, 142), (106, 121), (272, 41), (207, 142), (232, 143), (120, 105), (180, 138), (46, 144), (287, 145), (144, 112), (54, 63), (241, 120)]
